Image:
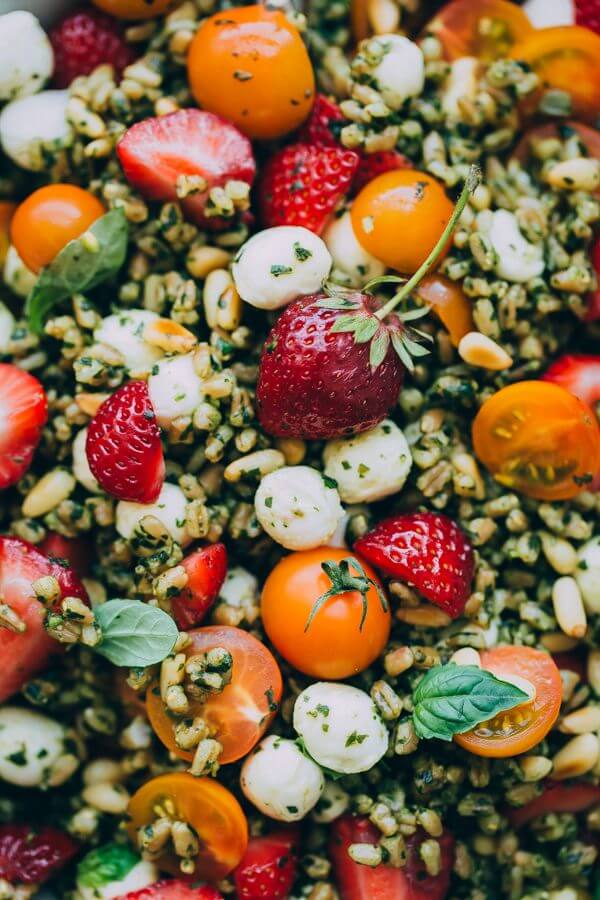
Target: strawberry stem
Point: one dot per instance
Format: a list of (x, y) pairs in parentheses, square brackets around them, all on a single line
[(342, 582)]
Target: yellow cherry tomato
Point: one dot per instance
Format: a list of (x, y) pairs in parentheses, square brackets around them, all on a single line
[(135, 9)]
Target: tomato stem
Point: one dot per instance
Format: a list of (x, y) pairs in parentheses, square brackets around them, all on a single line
[(343, 581)]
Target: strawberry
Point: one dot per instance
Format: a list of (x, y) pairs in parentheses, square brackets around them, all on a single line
[(593, 298), (579, 374), (429, 551), (302, 184), (123, 445), (319, 129), (155, 152), (268, 868), (173, 890), (587, 13), (32, 857), (76, 552), (206, 570), (23, 414), (85, 39), (373, 164)]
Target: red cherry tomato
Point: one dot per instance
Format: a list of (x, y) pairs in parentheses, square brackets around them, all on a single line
[(557, 798), (487, 29)]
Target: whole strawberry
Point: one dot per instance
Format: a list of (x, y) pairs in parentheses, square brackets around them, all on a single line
[(32, 857), (373, 164), (84, 40)]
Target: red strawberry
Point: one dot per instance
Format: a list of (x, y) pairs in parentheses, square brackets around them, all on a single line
[(86, 39), (593, 298), (268, 868), (317, 129), (373, 164), (427, 550), (303, 184), (32, 857), (173, 890), (579, 374), (206, 570), (23, 414), (587, 13), (76, 551), (155, 152), (123, 445)]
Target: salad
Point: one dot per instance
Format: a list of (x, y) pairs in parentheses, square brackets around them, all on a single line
[(300, 451)]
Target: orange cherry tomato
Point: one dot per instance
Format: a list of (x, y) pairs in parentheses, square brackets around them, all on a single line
[(250, 65), (48, 219), (242, 712), (6, 213), (517, 730), (360, 20), (135, 9), (449, 303), (537, 438), (566, 58), (334, 645), (211, 810), (399, 217), (487, 29)]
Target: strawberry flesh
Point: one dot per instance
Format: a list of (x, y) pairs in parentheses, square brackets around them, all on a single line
[(206, 570), (32, 857), (587, 13), (173, 890), (267, 870), (23, 414), (373, 164), (578, 373), (84, 40)]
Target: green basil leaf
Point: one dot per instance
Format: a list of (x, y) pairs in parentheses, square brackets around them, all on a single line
[(112, 862), (79, 267), (133, 633), (452, 699)]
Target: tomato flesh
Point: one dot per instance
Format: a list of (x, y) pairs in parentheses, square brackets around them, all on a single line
[(449, 303), (487, 29)]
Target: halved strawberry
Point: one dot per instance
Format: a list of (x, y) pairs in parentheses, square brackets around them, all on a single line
[(373, 164), (77, 552), (154, 153), (173, 890), (578, 373), (268, 868), (32, 857), (23, 414), (206, 570), (319, 128)]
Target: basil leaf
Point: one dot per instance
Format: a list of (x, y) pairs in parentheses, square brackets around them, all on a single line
[(105, 864), (452, 699), (133, 633), (77, 268)]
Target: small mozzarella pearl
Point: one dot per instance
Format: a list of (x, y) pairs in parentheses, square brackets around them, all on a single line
[(170, 509), (280, 781), (124, 332), (30, 744), (349, 258), (401, 72), (174, 388), (26, 57)]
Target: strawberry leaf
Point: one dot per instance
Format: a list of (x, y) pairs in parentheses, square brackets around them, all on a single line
[(347, 323), (412, 314), (402, 352), (413, 348), (379, 348), (337, 302), (365, 330)]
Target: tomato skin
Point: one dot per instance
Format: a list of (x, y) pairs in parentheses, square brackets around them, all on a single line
[(135, 9), (6, 213), (449, 303), (537, 438), (557, 798), (540, 669), (333, 646), (487, 29)]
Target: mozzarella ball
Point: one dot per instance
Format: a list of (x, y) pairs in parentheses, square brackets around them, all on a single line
[(350, 259), (280, 781), (297, 507), (240, 585), (175, 388), (124, 332), (169, 508), (401, 72), (7, 322), (16, 275), (32, 124), (81, 467), (587, 574), (30, 745), (340, 727), (26, 57), (516, 259), (369, 466), (279, 264), (544, 14)]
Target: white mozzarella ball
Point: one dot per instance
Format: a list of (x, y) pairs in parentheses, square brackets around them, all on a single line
[(279, 264), (124, 332), (587, 574), (401, 72), (240, 586), (340, 727), (7, 322), (169, 508), (369, 466), (16, 275), (280, 781), (550, 13), (26, 57), (297, 507), (516, 259), (32, 124), (140, 876), (30, 745), (350, 259), (175, 388), (81, 467)]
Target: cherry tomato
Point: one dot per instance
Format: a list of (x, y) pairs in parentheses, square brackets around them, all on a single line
[(250, 66), (449, 303), (334, 645), (557, 798), (242, 712), (537, 438), (133, 702), (517, 730), (48, 219), (211, 810), (593, 298), (399, 216), (360, 20), (589, 137), (135, 9), (487, 29), (6, 213), (78, 551), (566, 58)]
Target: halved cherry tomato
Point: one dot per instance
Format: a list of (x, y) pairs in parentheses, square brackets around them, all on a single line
[(589, 137), (449, 303), (566, 58), (135, 9), (487, 29), (133, 702), (211, 810), (334, 645), (6, 213), (48, 219), (360, 20), (243, 711), (537, 438), (557, 798), (517, 730)]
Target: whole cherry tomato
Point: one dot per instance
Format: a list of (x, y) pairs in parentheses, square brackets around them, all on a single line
[(48, 219), (399, 216), (335, 644), (210, 809), (487, 29), (6, 213), (135, 9), (241, 713), (250, 66), (517, 730), (449, 303), (537, 438)]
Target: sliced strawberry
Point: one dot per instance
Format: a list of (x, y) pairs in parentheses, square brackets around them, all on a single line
[(155, 152), (579, 374), (206, 570), (319, 129), (587, 13), (268, 868), (556, 798), (77, 552), (303, 185), (32, 857), (23, 414), (173, 890), (373, 164), (123, 445)]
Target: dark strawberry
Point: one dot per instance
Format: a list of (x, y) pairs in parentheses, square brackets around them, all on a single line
[(28, 856), (155, 152), (579, 374), (429, 551), (123, 445), (303, 184), (317, 129), (593, 298), (173, 890), (76, 552), (373, 164), (206, 570), (86, 39), (23, 414), (268, 868), (587, 13)]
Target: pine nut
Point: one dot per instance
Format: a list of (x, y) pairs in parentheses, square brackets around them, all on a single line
[(201, 261), (568, 606), (172, 672), (557, 642), (466, 656), (50, 490), (107, 797), (424, 616), (579, 174), (477, 349), (402, 658), (523, 684), (384, 16), (593, 670), (534, 768), (582, 720), (293, 449), (102, 770), (90, 403), (467, 480), (222, 303), (576, 758), (169, 336), (262, 461)]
